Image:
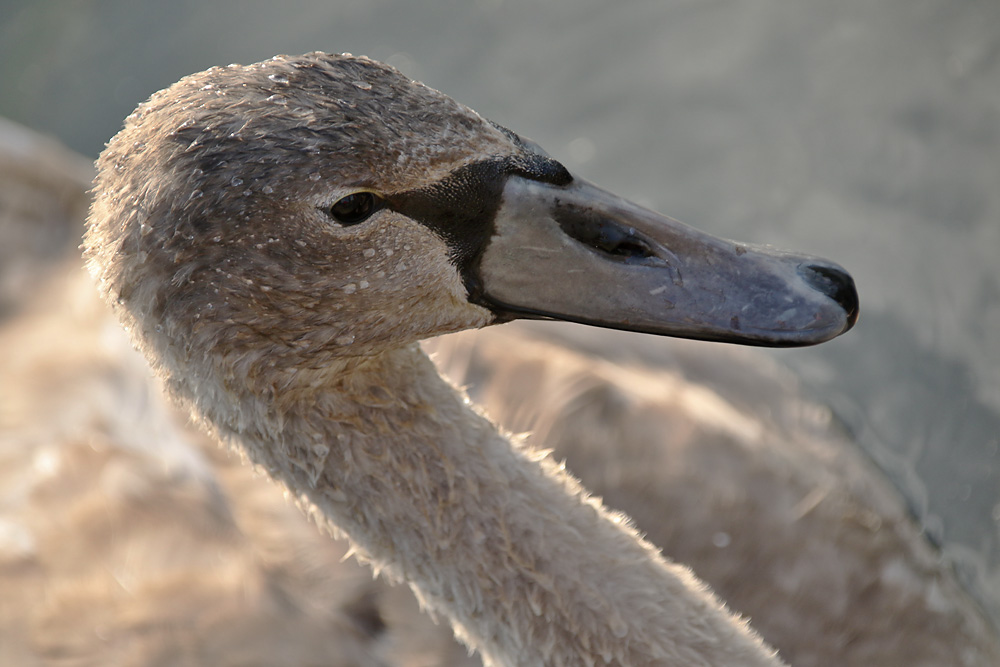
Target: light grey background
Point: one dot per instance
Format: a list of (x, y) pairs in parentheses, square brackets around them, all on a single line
[(865, 132)]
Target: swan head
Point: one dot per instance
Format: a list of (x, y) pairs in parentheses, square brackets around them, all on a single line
[(310, 209)]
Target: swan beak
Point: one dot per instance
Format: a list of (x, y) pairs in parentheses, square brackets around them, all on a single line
[(576, 252)]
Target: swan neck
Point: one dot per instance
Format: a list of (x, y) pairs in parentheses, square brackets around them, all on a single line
[(489, 533)]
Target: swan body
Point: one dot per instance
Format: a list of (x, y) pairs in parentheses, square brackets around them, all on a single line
[(129, 537), (277, 237)]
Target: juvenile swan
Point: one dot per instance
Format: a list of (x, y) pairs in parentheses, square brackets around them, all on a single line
[(276, 237)]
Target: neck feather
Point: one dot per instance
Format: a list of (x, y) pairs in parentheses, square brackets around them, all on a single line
[(497, 537)]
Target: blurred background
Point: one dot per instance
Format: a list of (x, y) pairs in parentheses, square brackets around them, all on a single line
[(864, 132)]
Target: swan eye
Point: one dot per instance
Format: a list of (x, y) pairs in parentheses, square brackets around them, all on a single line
[(354, 208)]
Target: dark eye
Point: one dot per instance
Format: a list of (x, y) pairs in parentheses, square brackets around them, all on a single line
[(354, 208)]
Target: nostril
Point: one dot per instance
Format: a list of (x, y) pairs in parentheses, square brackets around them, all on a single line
[(607, 236), (836, 284)]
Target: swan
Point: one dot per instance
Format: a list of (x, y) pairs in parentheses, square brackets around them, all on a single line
[(277, 237), (127, 536)]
